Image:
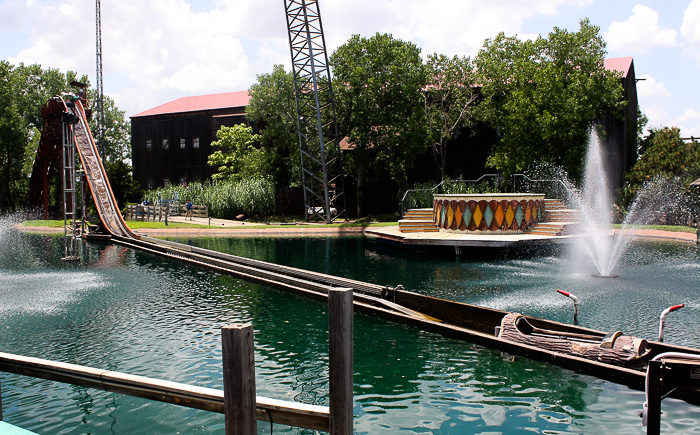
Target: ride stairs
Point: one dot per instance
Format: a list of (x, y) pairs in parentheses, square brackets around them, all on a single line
[(557, 221), (418, 220)]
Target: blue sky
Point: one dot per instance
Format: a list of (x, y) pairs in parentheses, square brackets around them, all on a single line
[(155, 51)]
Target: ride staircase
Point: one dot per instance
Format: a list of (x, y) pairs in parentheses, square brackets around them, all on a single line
[(418, 220), (557, 221)]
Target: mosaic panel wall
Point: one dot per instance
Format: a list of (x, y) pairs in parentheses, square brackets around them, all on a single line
[(494, 215)]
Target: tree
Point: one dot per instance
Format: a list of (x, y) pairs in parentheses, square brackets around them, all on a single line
[(126, 190), (542, 96), (117, 129), (449, 102), (237, 158), (272, 103), (666, 154), (23, 92), (378, 83)]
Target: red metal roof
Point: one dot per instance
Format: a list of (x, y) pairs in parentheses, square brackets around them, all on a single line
[(200, 102), (622, 64)]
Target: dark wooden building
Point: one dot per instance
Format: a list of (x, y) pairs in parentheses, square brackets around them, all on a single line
[(171, 143)]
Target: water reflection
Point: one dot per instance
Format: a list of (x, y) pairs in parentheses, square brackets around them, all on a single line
[(138, 313)]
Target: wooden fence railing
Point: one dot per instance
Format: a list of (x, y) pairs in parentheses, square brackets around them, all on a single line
[(237, 401)]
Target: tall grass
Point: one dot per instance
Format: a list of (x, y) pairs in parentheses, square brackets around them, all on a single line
[(225, 199)]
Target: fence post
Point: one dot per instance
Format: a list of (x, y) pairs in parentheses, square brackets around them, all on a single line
[(340, 356), (0, 397), (238, 358)]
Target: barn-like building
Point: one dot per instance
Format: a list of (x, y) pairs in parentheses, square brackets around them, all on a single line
[(171, 143)]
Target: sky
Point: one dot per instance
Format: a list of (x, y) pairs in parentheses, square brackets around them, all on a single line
[(156, 51)]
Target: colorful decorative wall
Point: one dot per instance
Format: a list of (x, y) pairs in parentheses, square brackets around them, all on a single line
[(495, 212)]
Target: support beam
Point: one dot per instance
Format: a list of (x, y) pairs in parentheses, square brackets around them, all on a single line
[(340, 354), (237, 354)]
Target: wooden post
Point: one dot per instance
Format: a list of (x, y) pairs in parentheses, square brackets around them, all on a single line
[(238, 358), (340, 355), (654, 398), (0, 398)]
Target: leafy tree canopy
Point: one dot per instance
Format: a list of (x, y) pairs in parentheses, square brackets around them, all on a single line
[(272, 102), (542, 95), (666, 155), (450, 98), (237, 158), (378, 83)]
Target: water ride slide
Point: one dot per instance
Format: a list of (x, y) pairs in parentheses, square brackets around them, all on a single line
[(74, 113)]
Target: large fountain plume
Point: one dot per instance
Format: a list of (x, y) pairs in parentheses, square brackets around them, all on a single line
[(658, 197)]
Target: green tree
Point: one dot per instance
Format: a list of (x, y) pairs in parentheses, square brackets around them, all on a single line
[(117, 129), (450, 99), (126, 190), (23, 92), (272, 103), (667, 155), (378, 83), (236, 157), (542, 96)]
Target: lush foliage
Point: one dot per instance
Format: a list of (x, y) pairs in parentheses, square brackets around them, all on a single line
[(272, 102), (450, 102), (236, 157), (542, 95), (665, 155), (126, 190), (378, 84), (117, 137), (23, 91), (225, 199)]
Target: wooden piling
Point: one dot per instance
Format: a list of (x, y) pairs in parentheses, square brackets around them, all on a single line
[(340, 355), (237, 354), (654, 397), (0, 398)]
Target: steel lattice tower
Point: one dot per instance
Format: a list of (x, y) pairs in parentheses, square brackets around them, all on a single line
[(99, 109), (321, 163)]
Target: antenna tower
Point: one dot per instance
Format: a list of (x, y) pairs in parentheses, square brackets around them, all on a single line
[(321, 163), (100, 110)]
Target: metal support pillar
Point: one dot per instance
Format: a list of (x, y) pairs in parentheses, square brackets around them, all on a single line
[(68, 184), (319, 142)]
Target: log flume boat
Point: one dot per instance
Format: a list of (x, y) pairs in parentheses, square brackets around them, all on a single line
[(611, 356)]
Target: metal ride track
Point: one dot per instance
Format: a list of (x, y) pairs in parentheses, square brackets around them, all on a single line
[(107, 207)]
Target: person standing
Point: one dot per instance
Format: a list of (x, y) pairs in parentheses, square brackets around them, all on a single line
[(189, 210)]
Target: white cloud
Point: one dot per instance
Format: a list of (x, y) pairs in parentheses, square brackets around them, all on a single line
[(690, 29), (640, 32), (648, 87)]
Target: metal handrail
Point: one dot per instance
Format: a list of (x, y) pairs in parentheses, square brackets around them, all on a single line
[(567, 189), (409, 193)]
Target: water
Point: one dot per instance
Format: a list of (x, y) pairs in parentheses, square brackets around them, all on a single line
[(132, 312)]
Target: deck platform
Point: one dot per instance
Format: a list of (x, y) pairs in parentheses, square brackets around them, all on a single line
[(8, 429), (486, 239)]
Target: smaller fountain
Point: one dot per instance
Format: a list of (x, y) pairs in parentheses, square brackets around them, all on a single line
[(594, 203)]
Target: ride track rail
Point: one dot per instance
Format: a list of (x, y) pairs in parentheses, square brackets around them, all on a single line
[(458, 320)]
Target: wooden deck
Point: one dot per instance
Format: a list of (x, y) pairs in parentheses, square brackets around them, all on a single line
[(485, 239)]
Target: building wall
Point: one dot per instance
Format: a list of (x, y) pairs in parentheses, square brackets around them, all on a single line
[(174, 148)]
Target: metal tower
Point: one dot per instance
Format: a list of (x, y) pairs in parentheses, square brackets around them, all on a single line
[(99, 110), (322, 172)]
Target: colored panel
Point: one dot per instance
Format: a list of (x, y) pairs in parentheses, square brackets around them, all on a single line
[(488, 216), (458, 218), (499, 215), (443, 214), (520, 214), (454, 205), (477, 217), (466, 215), (483, 206), (471, 226), (450, 216), (528, 213)]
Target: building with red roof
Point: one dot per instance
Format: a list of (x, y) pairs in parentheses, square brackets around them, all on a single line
[(172, 142)]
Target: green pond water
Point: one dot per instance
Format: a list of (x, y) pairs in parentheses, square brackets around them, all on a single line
[(141, 314)]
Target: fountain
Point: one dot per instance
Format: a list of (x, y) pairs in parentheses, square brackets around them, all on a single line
[(594, 203)]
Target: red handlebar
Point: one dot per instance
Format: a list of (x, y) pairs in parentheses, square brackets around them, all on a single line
[(676, 307), (567, 294)]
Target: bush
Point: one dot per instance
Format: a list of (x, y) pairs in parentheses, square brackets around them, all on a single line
[(225, 199)]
